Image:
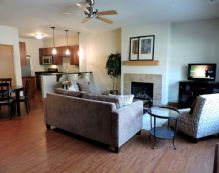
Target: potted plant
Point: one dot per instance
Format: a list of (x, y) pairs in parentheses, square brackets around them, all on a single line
[(113, 66)]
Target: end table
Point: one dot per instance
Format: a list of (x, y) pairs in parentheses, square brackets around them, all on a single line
[(168, 113)]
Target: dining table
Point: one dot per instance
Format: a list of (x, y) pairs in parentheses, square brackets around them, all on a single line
[(17, 90)]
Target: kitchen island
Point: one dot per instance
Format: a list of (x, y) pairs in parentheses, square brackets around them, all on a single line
[(58, 76)]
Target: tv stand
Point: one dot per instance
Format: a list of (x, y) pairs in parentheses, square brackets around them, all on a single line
[(189, 90)]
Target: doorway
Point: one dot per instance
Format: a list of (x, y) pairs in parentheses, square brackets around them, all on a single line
[(7, 62)]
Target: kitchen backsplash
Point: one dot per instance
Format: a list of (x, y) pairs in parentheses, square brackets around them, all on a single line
[(67, 67)]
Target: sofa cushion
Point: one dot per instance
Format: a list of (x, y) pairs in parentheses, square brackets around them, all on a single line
[(62, 91), (73, 86), (74, 93), (105, 98), (85, 87)]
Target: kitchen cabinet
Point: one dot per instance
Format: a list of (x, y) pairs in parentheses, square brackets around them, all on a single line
[(74, 58), (44, 52), (58, 59), (22, 48)]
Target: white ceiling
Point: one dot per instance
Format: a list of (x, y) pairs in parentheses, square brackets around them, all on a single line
[(31, 16)]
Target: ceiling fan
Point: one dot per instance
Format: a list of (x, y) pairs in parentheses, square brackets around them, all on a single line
[(91, 12)]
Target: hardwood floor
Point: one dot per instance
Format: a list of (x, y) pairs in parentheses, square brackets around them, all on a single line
[(27, 147)]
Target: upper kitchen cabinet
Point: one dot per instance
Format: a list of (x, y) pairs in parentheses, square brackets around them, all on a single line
[(58, 59), (74, 58), (45, 52), (22, 48), (61, 51)]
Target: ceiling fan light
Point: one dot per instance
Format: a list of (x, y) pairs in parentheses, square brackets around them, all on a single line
[(54, 51)]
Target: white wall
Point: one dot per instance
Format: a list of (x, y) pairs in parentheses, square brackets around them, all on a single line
[(32, 49), (72, 40), (95, 49), (9, 36), (192, 42), (162, 37)]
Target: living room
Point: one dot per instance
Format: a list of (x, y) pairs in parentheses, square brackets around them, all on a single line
[(190, 38)]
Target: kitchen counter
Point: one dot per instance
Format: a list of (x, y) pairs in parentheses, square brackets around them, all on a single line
[(59, 74), (28, 76)]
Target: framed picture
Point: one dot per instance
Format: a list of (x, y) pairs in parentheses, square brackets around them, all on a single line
[(142, 48), (134, 48), (146, 47)]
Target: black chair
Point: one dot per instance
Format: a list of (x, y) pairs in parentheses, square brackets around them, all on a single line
[(6, 80), (5, 98), (25, 98)]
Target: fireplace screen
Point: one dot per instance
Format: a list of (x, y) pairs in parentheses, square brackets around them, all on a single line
[(142, 91)]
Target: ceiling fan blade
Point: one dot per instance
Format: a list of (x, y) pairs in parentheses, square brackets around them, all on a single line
[(83, 6), (68, 13), (109, 12), (85, 20), (103, 19)]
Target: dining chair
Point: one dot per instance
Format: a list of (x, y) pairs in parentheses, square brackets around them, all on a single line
[(25, 97), (6, 100), (6, 80)]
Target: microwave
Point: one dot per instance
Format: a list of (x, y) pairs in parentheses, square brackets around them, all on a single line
[(47, 60)]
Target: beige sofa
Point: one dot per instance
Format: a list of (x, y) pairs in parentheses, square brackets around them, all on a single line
[(102, 121)]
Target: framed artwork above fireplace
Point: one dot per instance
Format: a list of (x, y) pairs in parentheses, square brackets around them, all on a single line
[(142, 48)]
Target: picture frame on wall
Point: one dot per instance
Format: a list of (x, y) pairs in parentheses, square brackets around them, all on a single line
[(146, 47), (142, 48), (134, 48)]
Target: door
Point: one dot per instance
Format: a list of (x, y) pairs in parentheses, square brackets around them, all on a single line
[(7, 62)]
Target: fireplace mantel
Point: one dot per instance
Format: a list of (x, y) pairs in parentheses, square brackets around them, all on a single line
[(142, 63)]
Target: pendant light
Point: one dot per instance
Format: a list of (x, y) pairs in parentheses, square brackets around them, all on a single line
[(79, 52), (54, 51), (67, 52)]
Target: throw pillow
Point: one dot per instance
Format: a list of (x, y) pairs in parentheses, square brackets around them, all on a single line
[(83, 81), (126, 99), (60, 91), (104, 98), (73, 86), (74, 93), (84, 87)]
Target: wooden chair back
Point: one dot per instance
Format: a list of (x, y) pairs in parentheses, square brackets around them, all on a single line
[(4, 92), (6, 80), (27, 89)]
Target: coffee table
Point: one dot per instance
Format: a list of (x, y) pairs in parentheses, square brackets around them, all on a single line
[(163, 112)]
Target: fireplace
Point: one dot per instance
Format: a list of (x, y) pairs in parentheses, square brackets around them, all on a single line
[(143, 91), (154, 79)]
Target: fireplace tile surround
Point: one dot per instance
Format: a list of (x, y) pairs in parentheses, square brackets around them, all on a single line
[(156, 79)]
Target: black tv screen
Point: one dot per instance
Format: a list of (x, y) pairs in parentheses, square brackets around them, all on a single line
[(205, 72)]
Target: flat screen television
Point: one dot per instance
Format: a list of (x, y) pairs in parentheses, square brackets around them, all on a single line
[(206, 72)]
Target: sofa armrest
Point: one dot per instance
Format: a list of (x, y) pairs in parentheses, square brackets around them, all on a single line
[(127, 121)]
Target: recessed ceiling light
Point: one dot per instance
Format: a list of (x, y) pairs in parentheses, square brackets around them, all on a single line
[(39, 35)]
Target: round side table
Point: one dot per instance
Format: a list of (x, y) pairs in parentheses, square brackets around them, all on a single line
[(162, 112)]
